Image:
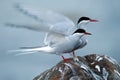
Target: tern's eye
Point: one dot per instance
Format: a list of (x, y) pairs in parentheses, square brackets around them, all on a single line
[(81, 30)]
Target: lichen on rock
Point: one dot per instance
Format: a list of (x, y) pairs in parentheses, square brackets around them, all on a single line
[(89, 67)]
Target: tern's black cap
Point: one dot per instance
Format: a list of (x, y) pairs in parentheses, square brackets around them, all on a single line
[(80, 31), (83, 18)]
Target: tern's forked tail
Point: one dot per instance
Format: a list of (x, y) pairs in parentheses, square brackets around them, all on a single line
[(31, 50)]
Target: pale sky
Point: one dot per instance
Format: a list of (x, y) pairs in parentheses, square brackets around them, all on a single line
[(105, 38)]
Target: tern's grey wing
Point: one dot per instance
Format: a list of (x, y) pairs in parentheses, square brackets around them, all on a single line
[(52, 38), (29, 26), (56, 22)]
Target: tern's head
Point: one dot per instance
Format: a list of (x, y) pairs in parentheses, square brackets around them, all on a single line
[(84, 20), (82, 32)]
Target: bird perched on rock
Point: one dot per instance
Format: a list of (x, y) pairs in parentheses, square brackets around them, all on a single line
[(60, 30)]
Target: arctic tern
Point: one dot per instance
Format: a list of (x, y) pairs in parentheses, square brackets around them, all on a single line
[(57, 27), (65, 44)]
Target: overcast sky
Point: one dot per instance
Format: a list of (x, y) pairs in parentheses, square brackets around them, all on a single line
[(105, 38)]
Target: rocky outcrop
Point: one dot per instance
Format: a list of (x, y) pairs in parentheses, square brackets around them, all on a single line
[(89, 67)]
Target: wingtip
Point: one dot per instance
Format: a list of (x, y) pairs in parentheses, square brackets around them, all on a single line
[(8, 24), (17, 5)]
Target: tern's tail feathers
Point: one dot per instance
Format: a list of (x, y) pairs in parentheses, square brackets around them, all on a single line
[(25, 50)]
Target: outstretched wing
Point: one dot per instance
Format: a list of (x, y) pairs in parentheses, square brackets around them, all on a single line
[(55, 21), (48, 21), (34, 27)]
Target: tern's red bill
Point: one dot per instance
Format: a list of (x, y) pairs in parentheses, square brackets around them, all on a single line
[(87, 33), (93, 20)]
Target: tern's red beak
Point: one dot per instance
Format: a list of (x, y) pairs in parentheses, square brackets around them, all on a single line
[(86, 33), (93, 20)]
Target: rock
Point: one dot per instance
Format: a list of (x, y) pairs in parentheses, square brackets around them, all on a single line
[(89, 67)]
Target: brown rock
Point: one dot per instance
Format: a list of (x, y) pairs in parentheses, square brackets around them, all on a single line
[(89, 67)]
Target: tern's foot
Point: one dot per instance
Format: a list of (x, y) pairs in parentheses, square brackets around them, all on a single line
[(65, 59)]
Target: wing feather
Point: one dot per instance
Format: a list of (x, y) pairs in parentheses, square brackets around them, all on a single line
[(55, 21), (48, 21)]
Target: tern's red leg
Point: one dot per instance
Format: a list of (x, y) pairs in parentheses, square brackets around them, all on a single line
[(73, 54), (65, 59)]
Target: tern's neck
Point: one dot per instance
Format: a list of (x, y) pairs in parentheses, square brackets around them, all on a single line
[(78, 35), (82, 24)]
